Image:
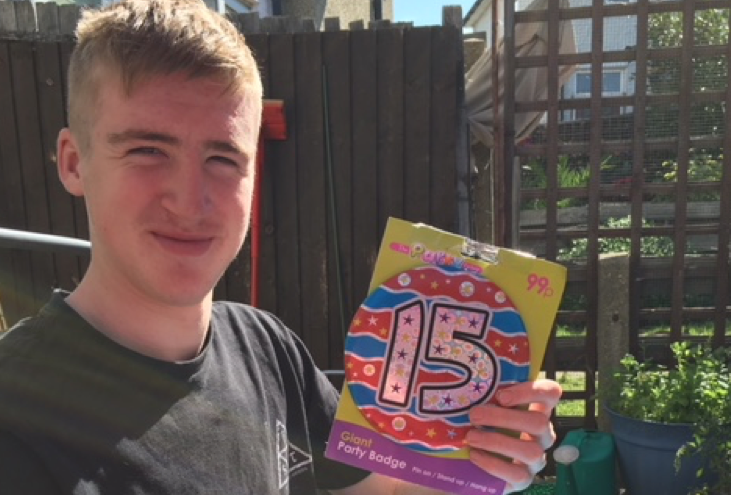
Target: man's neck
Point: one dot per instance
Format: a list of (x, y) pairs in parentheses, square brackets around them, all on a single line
[(169, 333)]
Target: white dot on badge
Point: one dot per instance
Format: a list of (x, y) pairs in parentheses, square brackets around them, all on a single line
[(399, 424), (467, 289), (404, 280)]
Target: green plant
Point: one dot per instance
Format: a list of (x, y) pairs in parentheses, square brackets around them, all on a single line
[(649, 246), (696, 391)]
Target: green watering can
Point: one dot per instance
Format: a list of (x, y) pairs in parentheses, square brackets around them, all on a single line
[(585, 464)]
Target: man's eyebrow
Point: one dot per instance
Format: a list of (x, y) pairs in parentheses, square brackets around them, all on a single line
[(225, 147), (142, 135)]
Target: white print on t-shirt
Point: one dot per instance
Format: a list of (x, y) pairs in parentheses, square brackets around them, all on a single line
[(291, 459)]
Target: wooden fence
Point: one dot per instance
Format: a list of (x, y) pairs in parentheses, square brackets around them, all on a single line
[(392, 133), (667, 153)]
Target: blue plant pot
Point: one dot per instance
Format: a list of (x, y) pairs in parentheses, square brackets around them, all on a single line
[(646, 452)]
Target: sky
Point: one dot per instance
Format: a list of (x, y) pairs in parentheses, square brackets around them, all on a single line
[(425, 12)]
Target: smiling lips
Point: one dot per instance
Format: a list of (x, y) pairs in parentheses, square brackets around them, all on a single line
[(183, 244)]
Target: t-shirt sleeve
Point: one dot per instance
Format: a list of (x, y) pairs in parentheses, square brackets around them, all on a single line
[(21, 472)]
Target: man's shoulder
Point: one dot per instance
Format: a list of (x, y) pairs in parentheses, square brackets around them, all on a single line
[(254, 322)]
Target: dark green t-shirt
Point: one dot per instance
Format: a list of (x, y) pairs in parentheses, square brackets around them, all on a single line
[(81, 414)]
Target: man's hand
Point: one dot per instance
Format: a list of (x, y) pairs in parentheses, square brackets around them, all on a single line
[(526, 452)]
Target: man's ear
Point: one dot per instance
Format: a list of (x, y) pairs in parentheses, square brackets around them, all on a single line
[(68, 161)]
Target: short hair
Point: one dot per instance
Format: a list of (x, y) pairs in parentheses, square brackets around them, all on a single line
[(139, 39)]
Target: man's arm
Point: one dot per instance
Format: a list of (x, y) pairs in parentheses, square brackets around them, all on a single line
[(527, 450), (21, 472)]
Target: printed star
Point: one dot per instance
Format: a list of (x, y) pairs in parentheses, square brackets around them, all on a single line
[(448, 400), (473, 323), (373, 321), (431, 433), (396, 388), (513, 348), (349, 366), (473, 358), (434, 285), (381, 425), (442, 335), (408, 319), (498, 343), (444, 317), (477, 387), (406, 338), (400, 372), (384, 332), (451, 434), (423, 276), (356, 322), (438, 349), (402, 354)]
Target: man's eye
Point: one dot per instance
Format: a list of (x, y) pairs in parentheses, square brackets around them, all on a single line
[(225, 161), (145, 151)]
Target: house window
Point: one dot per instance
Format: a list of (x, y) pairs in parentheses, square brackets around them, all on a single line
[(611, 83)]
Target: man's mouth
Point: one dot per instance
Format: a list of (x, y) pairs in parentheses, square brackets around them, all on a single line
[(183, 244)]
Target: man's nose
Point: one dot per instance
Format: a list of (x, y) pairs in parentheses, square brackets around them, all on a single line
[(188, 192)]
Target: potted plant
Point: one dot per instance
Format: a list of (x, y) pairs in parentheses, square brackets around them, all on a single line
[(672, 426)]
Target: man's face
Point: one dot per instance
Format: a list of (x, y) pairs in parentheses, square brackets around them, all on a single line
[(167, 181)]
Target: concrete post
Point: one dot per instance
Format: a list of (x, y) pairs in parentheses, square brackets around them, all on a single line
[(613, 320)]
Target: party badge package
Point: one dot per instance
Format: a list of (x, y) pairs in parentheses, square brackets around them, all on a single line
[(447, 323)]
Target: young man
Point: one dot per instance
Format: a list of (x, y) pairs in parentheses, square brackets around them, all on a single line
[(136, 383)]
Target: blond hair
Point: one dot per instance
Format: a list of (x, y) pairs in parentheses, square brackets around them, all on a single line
[(139, 39)]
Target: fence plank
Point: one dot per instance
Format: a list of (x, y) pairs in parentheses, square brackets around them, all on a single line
[(47, 13), (51, 105), (312, 194), (267, 253), (7, 18), (336, 59), (681, 191), (443, 211), (284, 174), (32, 162), (365, 160), (25, 17), (723, 273), (16, 279), (390, 55), (68, 17), (417, 94)]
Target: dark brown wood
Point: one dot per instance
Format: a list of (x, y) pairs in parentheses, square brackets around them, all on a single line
[(336, 60), (68, 16), (390, 125), (268, 249), (51, 115), (25, 17), (32, 164), (366, 235), (282, 164), (332, 24), (312, 194), (15, 269), (443, 211), (47, 15), (686, 89), (417, 95), (723, 293), (638, 173), (452, 16), (7, 18)]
